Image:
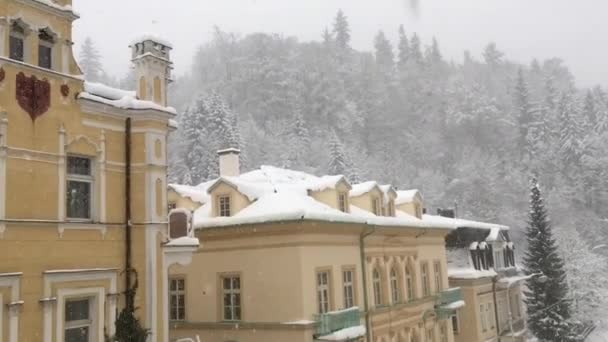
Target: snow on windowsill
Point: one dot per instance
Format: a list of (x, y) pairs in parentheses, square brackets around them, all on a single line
[(454, 306), (184, 242), (470, 273), (344, 334)]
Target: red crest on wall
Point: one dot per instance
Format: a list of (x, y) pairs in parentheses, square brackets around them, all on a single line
[(33, 95), (65, 90), (2, 74)]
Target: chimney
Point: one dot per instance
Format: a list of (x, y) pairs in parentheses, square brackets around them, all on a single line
[(229, 162), (151, 59)]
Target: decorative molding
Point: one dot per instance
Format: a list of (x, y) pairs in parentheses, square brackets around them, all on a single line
[(171, 256), (33, 95), (86, 139), (3, 156), (102, 178), (102, 125), (61, 228), (98, 322), (12, 280)]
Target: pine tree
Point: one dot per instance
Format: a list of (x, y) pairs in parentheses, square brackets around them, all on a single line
[(589, 111), (416, 49), (404, 48), (90, 62), (338, 161), (492, 55), (385, 58), (341, 31), (523, 108), (435, 53), (547, 290), (570, 131)]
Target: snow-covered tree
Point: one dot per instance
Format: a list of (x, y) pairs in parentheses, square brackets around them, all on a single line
[(492, 55), (90, 62), (416, 49), (570, 130), (404, 48), (385, 57), (547, 294), (341, 31)]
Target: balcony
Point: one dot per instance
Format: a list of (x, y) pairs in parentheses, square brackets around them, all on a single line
[(337, 320), (448, 301)]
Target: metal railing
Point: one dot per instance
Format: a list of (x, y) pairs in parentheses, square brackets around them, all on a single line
[(337, 320)]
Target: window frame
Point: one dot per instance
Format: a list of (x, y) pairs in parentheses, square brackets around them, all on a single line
[(395, 285), (89, 179), (437, 276), (499, 258), (376, 206), (221, 211), (20, 36), (177, 293), (232, 292), (424, 278), (47, 44), (343, 202), (377, 287), (323, 290), (79, 324), (410, 283), (391, 208), (349, 301)]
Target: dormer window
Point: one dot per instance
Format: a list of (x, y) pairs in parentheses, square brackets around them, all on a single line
[(343, 202), (376, 208), (17, 42), (391, 208), (224, 206), (45, 49)]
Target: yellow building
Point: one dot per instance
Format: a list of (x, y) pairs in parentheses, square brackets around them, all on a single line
[(287, 256), (70, 152)]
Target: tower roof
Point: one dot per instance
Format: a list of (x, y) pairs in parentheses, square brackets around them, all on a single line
[(151, 38)]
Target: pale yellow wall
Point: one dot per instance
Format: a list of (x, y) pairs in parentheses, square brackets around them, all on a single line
[(330, 196), (365, 201), (238, 202)]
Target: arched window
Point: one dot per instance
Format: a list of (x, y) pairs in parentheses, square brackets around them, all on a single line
[(46, 41), (377, 282), (17, 41), (157, 90), (409, 283), (395, 295), (143, 95)]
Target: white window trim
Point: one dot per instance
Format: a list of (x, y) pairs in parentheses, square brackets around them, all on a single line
[(97, 299), (348, 284), (84, 179), (12, 280), (321, 289), (232, 291), (62, 276), (395, 290), (437, 276), (177, 293)]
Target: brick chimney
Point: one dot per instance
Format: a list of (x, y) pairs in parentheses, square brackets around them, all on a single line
[(229, 162)]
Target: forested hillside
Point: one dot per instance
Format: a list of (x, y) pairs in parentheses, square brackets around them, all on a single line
[(469, 135)]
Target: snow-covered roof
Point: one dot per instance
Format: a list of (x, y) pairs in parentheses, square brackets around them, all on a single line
[(462, 223), (151, 37), (406, 196), (54, 5), (119, 98), (347, 334), (363, 188), (196, 193)]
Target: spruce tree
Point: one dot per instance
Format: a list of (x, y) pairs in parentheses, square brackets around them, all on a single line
[(416, 49), (338, 161), (341, 31), (90, 61), (570, 130), (492, 55), (546, 296), (385, 58), (404, 48), (523, 108)]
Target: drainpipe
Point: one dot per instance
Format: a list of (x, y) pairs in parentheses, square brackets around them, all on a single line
[(494, 280), (362, 237), (130, 301)]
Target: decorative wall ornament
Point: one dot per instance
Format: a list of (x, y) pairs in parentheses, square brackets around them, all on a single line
[(65, 90), (33, 95), (2, 74)]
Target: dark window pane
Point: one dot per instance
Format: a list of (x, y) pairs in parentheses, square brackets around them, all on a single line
[(226, 283), (77, 310), (78, 200), (79, 166), (228, 313), (16, 48), (236, 283), (237, 313), (77, 335), (44, 56)]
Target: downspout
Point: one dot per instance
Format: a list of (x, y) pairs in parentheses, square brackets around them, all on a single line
[(494, 280), (362, 237), (129, 296)]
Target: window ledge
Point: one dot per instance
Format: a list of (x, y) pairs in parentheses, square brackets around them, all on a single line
[(82, 225), (37, 68)]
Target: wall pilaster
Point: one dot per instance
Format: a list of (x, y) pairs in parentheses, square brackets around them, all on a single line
[(61, 172), (3, 158)]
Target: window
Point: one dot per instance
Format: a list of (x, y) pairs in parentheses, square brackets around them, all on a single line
[(79, 188), (498, 259), (16, 42), (377, 283), (348, 279), (391, 208), (343, 202), (515, 307), (409, 283), (426, 288), (438, 283), (490, 315), (172, 206), (45, 49), (443, 332), (376, 206), (455, 324), (482, 316), (78, 322), (396, 298), (177, 299), (224, 206), (430, 335), (323, 291), (232, 298)]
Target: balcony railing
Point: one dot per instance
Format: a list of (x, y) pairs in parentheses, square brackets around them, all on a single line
[(337, 320), (448, 301)]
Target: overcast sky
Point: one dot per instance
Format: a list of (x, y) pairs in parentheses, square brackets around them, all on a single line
[(574, 30)]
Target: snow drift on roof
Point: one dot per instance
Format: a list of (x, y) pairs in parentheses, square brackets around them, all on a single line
[(151, 37), (406, 196), (461, 223), (119, 98), (362, 188), (196, 193), (52, 4)]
